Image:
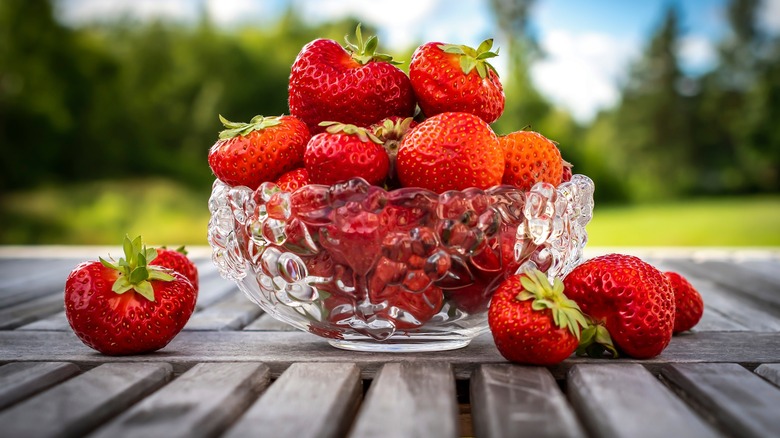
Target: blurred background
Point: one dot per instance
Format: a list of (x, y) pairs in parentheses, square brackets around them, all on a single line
[(108, 108)]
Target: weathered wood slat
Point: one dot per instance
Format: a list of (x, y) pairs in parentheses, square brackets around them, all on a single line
[(203, 402), (267, 323), (770, 269), (280, 349), (57, 322), (316, 400), (725, 310), (27, 288), (29, 311), (770, 371), (511, 400), (625, 400), (77, 406), (20, 380), (232, 313), (410, 399), (737, 399), (213, 288), (18, 274), (735, 278)]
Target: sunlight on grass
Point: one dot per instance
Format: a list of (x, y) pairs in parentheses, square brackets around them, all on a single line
[(167, 213), (163, 211), (744, 221)]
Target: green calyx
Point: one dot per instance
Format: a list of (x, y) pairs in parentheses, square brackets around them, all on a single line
[(566, 313), (234, 129), (596, 342), (363, 134), (365, 50), (471, 58), (135, 273)]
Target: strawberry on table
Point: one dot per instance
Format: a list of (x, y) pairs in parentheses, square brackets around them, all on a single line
[(178, 261), (457, 78), (688, 303), (629, 301), (530, 158), (532, 321), (356, 86), (343, 152), (130, 306), (249, 154), (450, 151)]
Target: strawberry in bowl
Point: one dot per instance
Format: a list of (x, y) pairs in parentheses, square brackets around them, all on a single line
[(394, 232)]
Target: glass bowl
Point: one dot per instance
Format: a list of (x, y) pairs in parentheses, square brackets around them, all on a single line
[(401, 270)]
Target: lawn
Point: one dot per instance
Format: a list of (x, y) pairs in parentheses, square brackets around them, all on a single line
[(165, 212)]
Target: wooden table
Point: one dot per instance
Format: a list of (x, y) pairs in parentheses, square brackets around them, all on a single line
[(234, 371)]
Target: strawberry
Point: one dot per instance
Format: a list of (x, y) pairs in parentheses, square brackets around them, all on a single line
[(407, 310), (293, 180), (450, 151), (178, 261), (629, 301), (344, 152), (530, 158), (454, 78), (248, 154), (128, 307), (532, 321), (390, 132), (356, 86), (566, 174), (688, 304)]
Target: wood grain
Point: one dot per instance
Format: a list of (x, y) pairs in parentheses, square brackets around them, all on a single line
[(77, 406), (232, 313), (20, 380), (203, 402), (267, 323), (308, 400), (625, 400), (32, 310), (770, 372), (410, 399), (739, 400), (513, 400)]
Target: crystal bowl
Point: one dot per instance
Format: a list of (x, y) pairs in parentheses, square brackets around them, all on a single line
[(400, 270)]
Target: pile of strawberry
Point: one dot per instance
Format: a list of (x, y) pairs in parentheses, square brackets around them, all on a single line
[(353, 114)]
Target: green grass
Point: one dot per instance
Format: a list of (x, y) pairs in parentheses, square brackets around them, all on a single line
[(101, 213), (165, 212), (738, 221)]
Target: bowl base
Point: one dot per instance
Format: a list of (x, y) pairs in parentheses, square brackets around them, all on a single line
[(399, 346)]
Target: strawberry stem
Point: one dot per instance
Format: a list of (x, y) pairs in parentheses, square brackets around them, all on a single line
[(471, 58), (135, 273), (363, 134), (365, 51), (566, 313), (596, 342), (235, 129)]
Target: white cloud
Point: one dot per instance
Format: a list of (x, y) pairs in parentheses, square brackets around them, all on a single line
[(770, 15), (697, 53), (230, 12), (582, 71), (84, 11)]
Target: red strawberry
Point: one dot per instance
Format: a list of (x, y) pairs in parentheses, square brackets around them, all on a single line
[(129, 307), (630, 301), (178, 261), (567, 171), (688, 304), (450, 151), (408, 310), (530, 158), (248, 154), (532, 321), (293, 180), (356, 86), (453, 78), (345, 152)]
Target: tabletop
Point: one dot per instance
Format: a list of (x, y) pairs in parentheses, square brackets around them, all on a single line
[(234, 371)]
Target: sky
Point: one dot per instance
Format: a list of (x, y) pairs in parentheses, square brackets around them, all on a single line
[(588, 44)]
